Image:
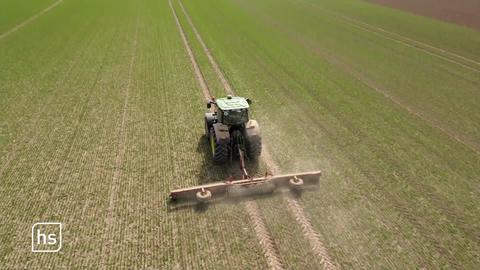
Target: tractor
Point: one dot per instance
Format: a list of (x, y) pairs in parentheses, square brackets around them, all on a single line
[(232, 134), (230, 131)]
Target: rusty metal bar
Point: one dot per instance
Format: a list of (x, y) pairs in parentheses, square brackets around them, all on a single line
[(219, 189)]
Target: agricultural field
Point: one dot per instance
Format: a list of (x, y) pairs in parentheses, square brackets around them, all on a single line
[(101, 116)]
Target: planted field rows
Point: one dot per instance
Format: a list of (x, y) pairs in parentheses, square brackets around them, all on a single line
[(383, 149), (262, 233), (101, 116)]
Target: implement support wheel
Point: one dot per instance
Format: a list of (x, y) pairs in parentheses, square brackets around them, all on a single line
[(204, 195), (295, 182)]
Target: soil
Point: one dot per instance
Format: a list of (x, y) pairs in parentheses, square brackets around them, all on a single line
[(461, 12)]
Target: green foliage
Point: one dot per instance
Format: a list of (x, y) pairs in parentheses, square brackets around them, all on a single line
[(88, 92), (382, 119)]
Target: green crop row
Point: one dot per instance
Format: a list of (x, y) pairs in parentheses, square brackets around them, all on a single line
[(101, 116)]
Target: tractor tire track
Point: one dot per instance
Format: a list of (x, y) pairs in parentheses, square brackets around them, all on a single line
[(473, 146), (196, 68), (359, 76), (317, 246), (314, 239), (401, 39), (297, 210), (264, 236), (413, 42), (119, 160), (261, 230), (360, 26), (212, 61), (27, 21)]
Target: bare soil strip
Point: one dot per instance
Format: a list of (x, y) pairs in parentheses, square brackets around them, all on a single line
[(27, 21), (317, 246), (212, 61), (122, 137), (261, 230), (461, 12)]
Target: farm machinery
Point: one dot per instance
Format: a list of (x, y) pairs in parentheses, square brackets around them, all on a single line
[(233, 135)]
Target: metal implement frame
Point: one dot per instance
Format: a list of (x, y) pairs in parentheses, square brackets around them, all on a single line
[(220, 189)]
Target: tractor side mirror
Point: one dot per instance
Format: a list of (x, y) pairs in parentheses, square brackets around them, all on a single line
[(209, 105), (249, 101)]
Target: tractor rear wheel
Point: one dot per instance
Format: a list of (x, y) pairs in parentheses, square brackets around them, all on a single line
[(254, 147), (220, 152)]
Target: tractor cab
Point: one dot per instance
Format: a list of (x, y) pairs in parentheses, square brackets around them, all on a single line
[(232, 111)]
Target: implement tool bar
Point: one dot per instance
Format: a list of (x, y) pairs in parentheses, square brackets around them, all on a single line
[(221, 188)]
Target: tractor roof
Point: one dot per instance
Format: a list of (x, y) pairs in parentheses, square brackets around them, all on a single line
[(232, 103)]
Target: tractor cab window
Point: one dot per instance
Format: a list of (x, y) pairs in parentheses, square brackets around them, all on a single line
[(235, 117)]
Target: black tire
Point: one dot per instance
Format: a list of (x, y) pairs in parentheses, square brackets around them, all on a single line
[(209, 120), (254, 147), (220, 152)]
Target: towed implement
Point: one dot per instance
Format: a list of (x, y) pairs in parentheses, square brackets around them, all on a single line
[(231, 134)]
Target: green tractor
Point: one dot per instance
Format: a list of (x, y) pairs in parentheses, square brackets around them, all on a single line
[(230, 134), (229, 130)]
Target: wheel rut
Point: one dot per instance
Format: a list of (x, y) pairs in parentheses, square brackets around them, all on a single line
[(293, 205), (261, 230)]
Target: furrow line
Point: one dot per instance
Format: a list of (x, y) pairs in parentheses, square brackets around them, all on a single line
[(119, 160), (27, 21), (474, 147), (297, 210), (255, 215), (196, 68), (401, 39), (264, 236), (314, 239), (414, 41), (212, 61), (357, 75)]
